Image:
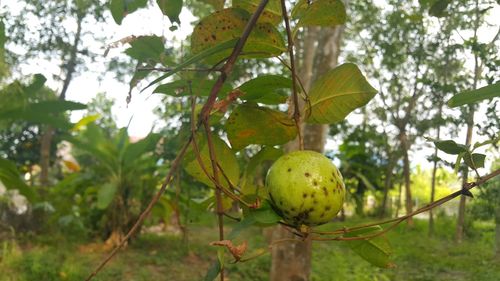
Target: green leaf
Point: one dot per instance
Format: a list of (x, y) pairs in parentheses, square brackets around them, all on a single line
[(267, 153), (450, 147), (319, 13), (458, 161), (474, 160), (134, 150), (121, 8), (199, 86), (271, 14), (52, 106), (490, 141), (265, 215), (35, 85), (194, 59), (105, 195), (225, 158), (171, 8), (241, 226), (146, 48), (213, 271), (85, 121), (376, 251), (337, 93), (228, 24), (42, 112), (474, 96), (251, 124), (264, 89), (11, 179), (438, 9)]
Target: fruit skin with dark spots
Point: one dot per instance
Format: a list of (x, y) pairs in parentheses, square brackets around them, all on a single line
[(305, 188)]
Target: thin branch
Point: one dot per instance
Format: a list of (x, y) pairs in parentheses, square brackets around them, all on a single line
[(218, 195), (301, 84), (228, 66), (296, 112), (197, 153)]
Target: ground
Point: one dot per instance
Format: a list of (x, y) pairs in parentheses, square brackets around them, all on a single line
[(165, 257)]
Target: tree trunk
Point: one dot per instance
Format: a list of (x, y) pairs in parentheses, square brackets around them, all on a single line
[(292, 260), (433, 191), (387, 184), (45, 144), (433, 180), (459, 236), (47, 136), (406, 175), (398, 204)]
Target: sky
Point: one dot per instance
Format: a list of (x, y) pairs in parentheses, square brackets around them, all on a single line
[(139, 112)]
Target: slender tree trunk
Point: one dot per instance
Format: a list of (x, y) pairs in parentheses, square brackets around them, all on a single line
[(433, 191), (465, 174), (434, 171), (292, 260), (387, 184), (406, 175), (398, 204), (47, 136)]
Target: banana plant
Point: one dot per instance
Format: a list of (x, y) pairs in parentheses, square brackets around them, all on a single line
[(122, 177)]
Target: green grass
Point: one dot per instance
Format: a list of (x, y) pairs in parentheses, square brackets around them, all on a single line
[(165, 257)]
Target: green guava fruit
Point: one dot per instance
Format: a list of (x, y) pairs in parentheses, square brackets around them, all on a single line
[(305, 188)]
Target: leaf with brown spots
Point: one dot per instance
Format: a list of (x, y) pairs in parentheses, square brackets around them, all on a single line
[(228, 24), (271, 14), (251, 124)]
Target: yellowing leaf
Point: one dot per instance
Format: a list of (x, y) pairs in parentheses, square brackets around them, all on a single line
[(249, 124), (84, 122), (319, 13), (337, 93), (271, 14), (72, 165), (228, 24)]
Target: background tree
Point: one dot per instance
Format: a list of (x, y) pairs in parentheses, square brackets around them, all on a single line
[(51, 40)]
